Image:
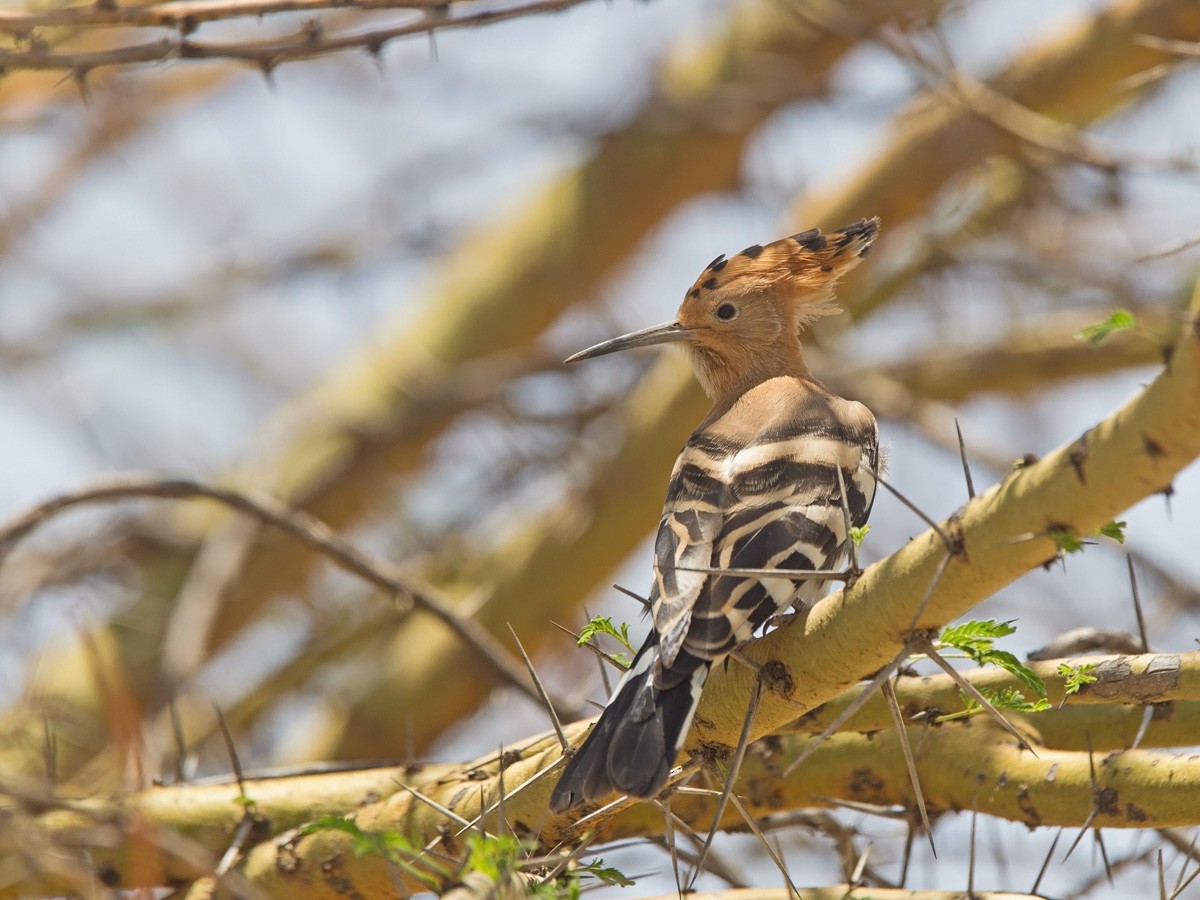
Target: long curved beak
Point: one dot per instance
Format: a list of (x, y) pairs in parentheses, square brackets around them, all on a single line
[(666, 333)]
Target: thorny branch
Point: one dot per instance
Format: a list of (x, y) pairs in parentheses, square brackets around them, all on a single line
[(189, 14), (303, 527), (310, 41)]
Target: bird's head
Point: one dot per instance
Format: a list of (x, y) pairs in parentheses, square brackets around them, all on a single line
[(742, 318)]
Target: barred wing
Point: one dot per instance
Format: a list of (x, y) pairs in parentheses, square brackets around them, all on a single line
[(773, 502)]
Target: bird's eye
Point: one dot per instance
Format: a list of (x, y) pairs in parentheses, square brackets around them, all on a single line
[(726, 311)]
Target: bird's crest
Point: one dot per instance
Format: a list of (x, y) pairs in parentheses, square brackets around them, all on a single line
[(800, 269)]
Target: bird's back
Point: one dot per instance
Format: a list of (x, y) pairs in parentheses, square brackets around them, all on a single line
[(756, 486)]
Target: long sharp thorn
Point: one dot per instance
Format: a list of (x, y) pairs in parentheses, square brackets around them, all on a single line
[(634, 594), (962, 454), (789, 574), (49, 754), (180, 741), (881, 676), (1184, 885), (1147, 716), (933, 583), (860, 866), (1189, 854), (979, 698), (776, 857), (1137, 605), (1087, 823), (1104, 856), (1037, 882), (231, 749), (537, 683), (434, 805), (734, 765), (971, 854), (502, 825), (669, 832), (852, 547), (908, 847), (410, 740), (941, 532), (532, 779), (1095, 794), (910, 761)]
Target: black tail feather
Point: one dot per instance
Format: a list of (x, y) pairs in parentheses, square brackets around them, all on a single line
[(633, 746)]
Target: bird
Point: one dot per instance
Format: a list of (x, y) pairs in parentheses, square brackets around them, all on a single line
[(756, 486)]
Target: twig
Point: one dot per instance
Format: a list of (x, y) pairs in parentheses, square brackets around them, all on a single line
[(1171, 249)]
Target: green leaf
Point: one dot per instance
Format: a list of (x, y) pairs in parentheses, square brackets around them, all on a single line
[(1011, 698), (604, 625), (1114, 529), (496, 856), (1010, 663), (333, 823), (608, 874), (565, 887), (1076, 677), (1118, 320), (977, 634), (976, 639), (857, 534), (1065, 539)]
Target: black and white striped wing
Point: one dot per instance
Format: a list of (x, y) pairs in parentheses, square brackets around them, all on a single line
[(776, 503)]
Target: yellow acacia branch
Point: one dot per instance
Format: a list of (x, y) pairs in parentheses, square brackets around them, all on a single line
[(1151, 678)]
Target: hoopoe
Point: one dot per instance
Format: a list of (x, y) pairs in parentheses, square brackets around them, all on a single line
[(756, 486)]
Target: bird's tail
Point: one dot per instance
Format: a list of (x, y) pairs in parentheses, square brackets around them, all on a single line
[(634, 744)]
